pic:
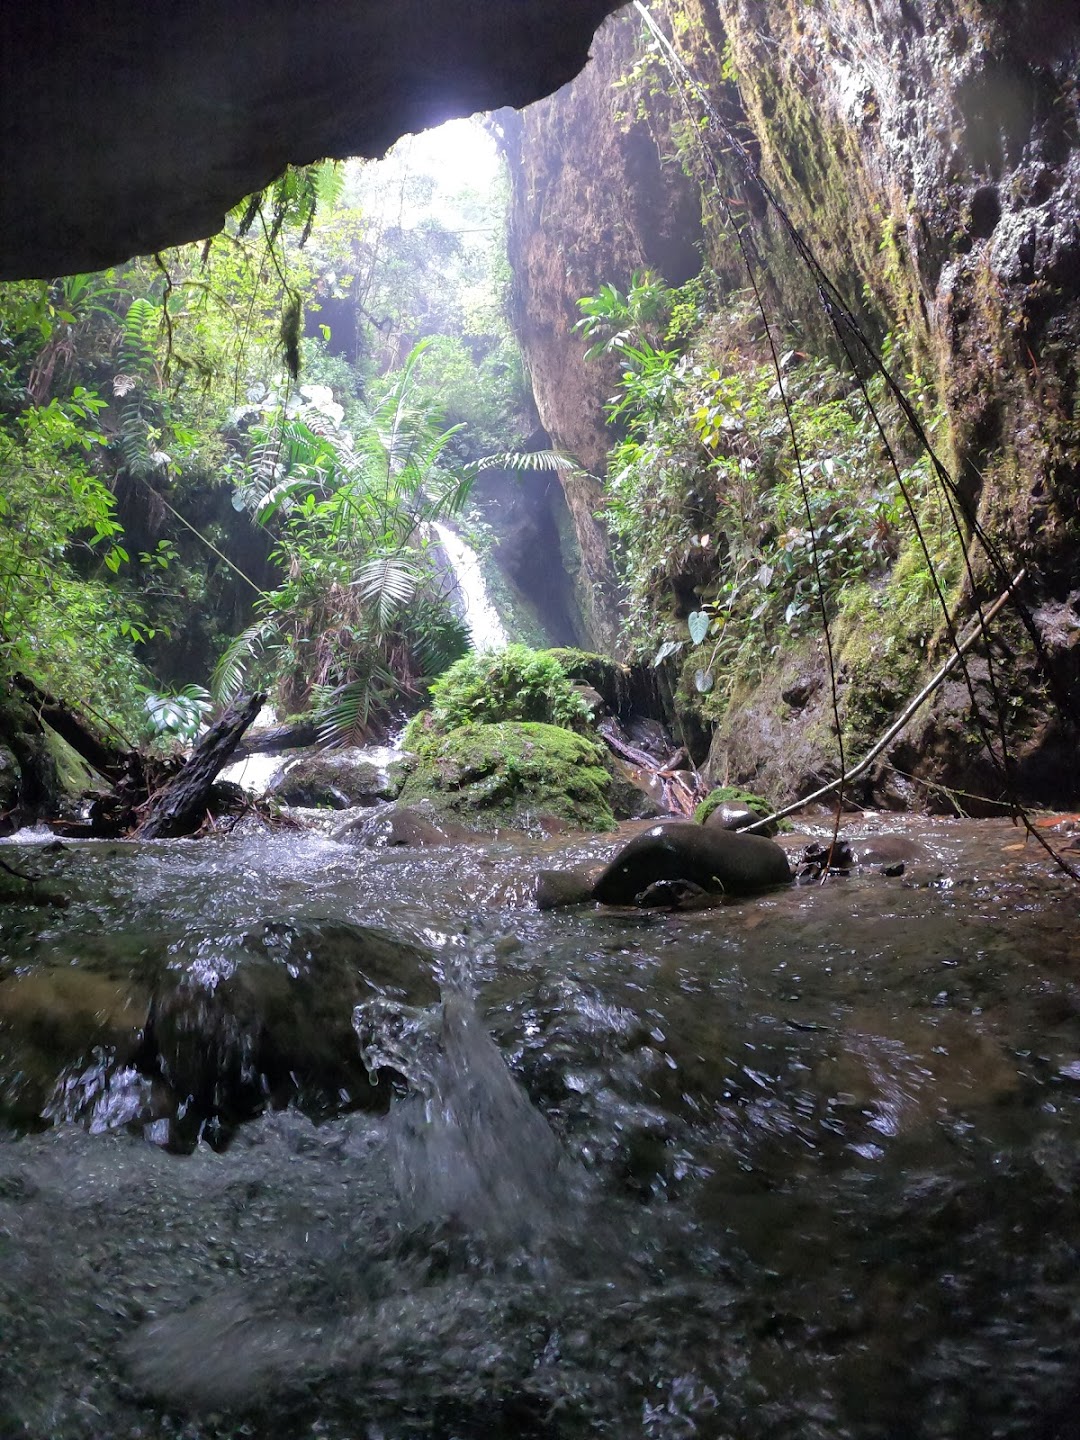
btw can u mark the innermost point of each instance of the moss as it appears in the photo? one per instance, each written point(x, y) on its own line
point(511, 774)
point(607, 677)
point(730, 795)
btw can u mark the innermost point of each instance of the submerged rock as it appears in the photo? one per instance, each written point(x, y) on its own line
point(402, 825)
point(217, 1027)
point(336, 779)
point(719, 862)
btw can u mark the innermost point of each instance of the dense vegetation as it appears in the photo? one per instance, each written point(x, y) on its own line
point(228, 454)
point(748, 509)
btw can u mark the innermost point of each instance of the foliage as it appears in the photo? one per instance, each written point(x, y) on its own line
point(511, 684)
point(178, 716)
point(513, 773)
point(709, 491)
point(360, 618)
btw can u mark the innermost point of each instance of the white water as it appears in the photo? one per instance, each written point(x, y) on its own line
point(481, 617)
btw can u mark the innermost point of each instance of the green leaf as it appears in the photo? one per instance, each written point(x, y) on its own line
point(698, 625)
point(703, 681)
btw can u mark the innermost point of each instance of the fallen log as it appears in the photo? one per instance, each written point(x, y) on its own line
point(277, 739)
point(110, 761)
point(179, 807)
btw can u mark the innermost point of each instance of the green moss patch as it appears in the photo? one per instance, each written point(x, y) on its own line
point(731, 795)
point(511, 774)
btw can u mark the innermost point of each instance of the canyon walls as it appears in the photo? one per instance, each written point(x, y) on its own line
point(929, 154)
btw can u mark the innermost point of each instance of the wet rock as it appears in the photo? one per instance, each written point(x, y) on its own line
point(220, 1027)
point(720, 862)
point(636, 794)
point(336, 779)
point(267, 1019)
point(555, 888)
point(730, 816)
point(888, 854)
point(737, 809)
point(402, 825)
point(52, 1020)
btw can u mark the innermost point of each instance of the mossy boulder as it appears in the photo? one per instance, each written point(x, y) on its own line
point(513, 774)
point(731, 795)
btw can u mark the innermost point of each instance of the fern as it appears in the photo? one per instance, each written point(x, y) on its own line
point(231, 670)
point(389, 580)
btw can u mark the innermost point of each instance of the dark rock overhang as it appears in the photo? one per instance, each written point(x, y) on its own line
point(130, 125)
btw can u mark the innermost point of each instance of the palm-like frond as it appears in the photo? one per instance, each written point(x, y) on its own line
point(344, 716)
point(230, 671)
point(390, 581)
point(526, 460)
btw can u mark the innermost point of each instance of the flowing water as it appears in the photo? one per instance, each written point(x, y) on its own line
point(801, 1166)
point(485, 628)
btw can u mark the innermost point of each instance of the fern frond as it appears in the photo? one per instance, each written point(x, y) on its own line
point(230, 671)
point(526, 460)
point(390, 581)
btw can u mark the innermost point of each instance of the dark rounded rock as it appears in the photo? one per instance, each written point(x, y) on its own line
point(721, 862)
point(555, 888)
point(730, 816)
point(883, 850)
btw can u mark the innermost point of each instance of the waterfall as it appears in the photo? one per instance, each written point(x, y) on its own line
point(481, 617)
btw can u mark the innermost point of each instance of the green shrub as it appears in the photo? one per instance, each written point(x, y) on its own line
point(499, 685)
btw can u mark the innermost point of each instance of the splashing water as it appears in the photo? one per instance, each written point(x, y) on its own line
point(469, 1149)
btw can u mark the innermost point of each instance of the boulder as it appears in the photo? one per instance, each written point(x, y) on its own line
point(719, 862)
point(214, 1028)
point(337, 779)
point(402, 825)
point(513, 775)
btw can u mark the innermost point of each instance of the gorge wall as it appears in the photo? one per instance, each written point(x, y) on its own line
point(930, 154)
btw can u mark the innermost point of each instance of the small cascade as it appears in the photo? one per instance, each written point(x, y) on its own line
point(480, 616)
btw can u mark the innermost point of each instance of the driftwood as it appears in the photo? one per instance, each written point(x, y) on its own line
point(278, 738)
point(679, 797)
point(179, 807)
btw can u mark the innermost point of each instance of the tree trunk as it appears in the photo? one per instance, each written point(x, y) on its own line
point(277, 739)
point(179, 806)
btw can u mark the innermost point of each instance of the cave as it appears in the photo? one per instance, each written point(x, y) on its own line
point(128, 127)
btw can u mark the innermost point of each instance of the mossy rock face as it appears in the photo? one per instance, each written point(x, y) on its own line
point(512, 774)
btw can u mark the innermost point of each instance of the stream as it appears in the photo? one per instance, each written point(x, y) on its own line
point(800, 1166)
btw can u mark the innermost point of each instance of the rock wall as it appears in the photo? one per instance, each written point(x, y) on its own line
point(597, 194)
point(930, 154)
point(129, 126)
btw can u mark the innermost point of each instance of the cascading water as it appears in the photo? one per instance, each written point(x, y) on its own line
point(481, 617)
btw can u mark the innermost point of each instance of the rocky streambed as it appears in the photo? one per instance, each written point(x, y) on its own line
point(304, 1137)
